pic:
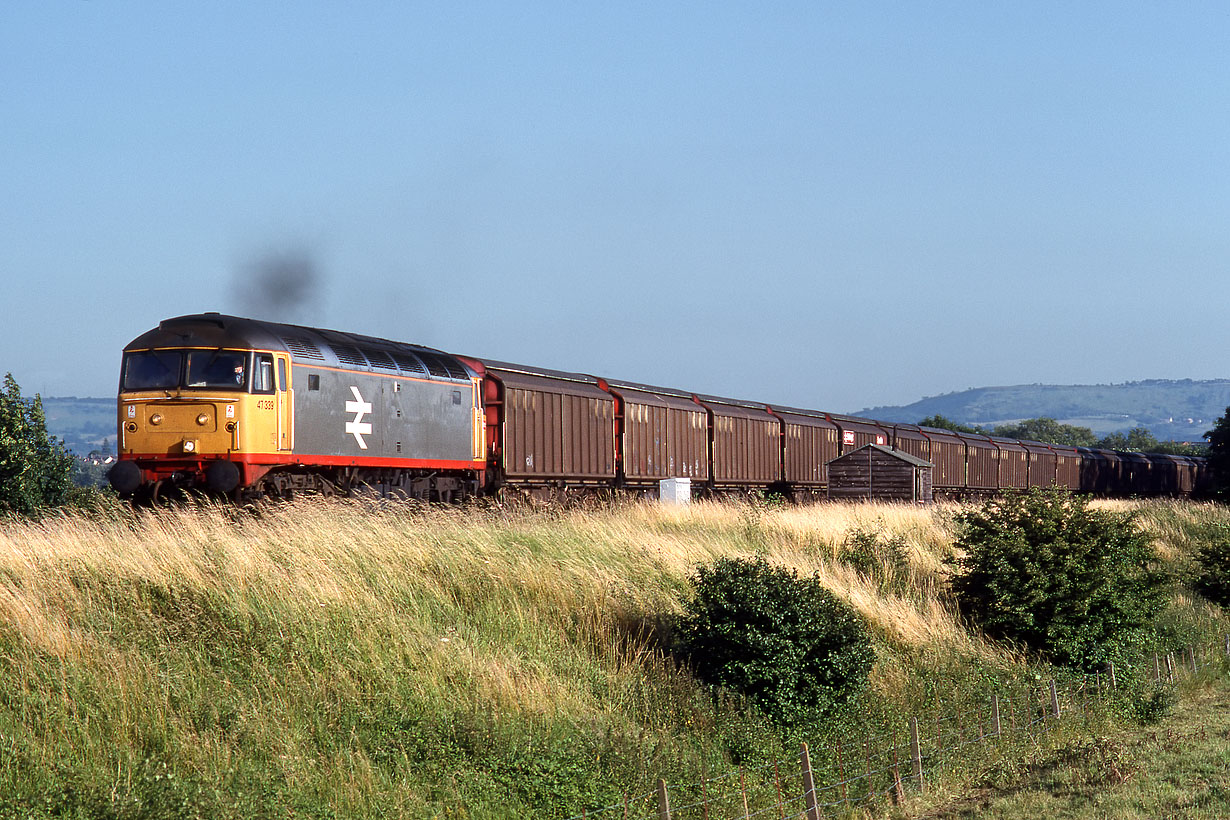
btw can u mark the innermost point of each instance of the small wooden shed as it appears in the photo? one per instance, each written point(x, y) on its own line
point(875, 472)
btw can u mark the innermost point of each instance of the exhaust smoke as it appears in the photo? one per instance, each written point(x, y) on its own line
point(283, 286)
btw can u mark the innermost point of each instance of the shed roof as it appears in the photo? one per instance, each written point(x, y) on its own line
point(897, 454)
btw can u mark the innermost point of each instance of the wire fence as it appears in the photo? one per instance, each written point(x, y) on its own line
point(882, 769)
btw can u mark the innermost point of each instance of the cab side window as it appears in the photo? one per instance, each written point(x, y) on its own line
point(262, 378)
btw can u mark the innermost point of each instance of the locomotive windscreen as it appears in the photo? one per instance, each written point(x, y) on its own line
point(167, 369)
point(225, 369)
point(156, 370)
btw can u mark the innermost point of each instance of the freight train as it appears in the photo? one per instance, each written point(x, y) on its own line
point(249, 409)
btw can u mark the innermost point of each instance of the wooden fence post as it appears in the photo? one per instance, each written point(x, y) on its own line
point(1054, 699)
point(1157, 669)
point(1191, 651)
point(916, 753)
point(777, 778)
point(809, 785)
point(743, 791)
point(1228, 645)
point(664, 802)
point(995, 714)
point(898, 791)
point(1114, 682)
point(1170, 666)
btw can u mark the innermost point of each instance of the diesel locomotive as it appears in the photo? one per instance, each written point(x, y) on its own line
point(248, 409)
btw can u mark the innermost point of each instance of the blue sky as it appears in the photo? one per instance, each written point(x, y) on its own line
point(833, 206)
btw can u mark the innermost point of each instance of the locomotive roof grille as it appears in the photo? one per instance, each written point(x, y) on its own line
point(303, 347)
point(408, 362)
point(348, 350)
point(347, 354)
point(441, 366)
point(379, 358)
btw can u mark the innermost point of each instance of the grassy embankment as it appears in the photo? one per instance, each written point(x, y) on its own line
point(1179, 768)
point(346, 660)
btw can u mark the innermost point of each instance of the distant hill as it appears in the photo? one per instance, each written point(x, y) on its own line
point(1171, 410)
point(84, 424)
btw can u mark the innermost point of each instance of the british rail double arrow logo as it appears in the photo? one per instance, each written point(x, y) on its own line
point(357, 427)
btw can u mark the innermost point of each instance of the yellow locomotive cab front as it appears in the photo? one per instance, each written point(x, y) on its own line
point(196, 417)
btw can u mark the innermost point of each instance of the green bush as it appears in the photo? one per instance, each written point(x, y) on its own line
point(784, 642)
point(1043, 570)
point(882, 558)
point(1150, 702)
point(1213, 578)
point(34, 467)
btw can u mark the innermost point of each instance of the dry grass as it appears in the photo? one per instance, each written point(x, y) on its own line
point(315, 637)
point(488, 593)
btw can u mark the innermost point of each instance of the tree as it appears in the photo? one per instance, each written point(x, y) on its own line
point(1212, 581)
point(1178, 448)
point(1049, 431)
point(943, 423)
point(1043, 570)
point(1218, 454)
point(786, 643)
point(1136, 440)
point(34, 467)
